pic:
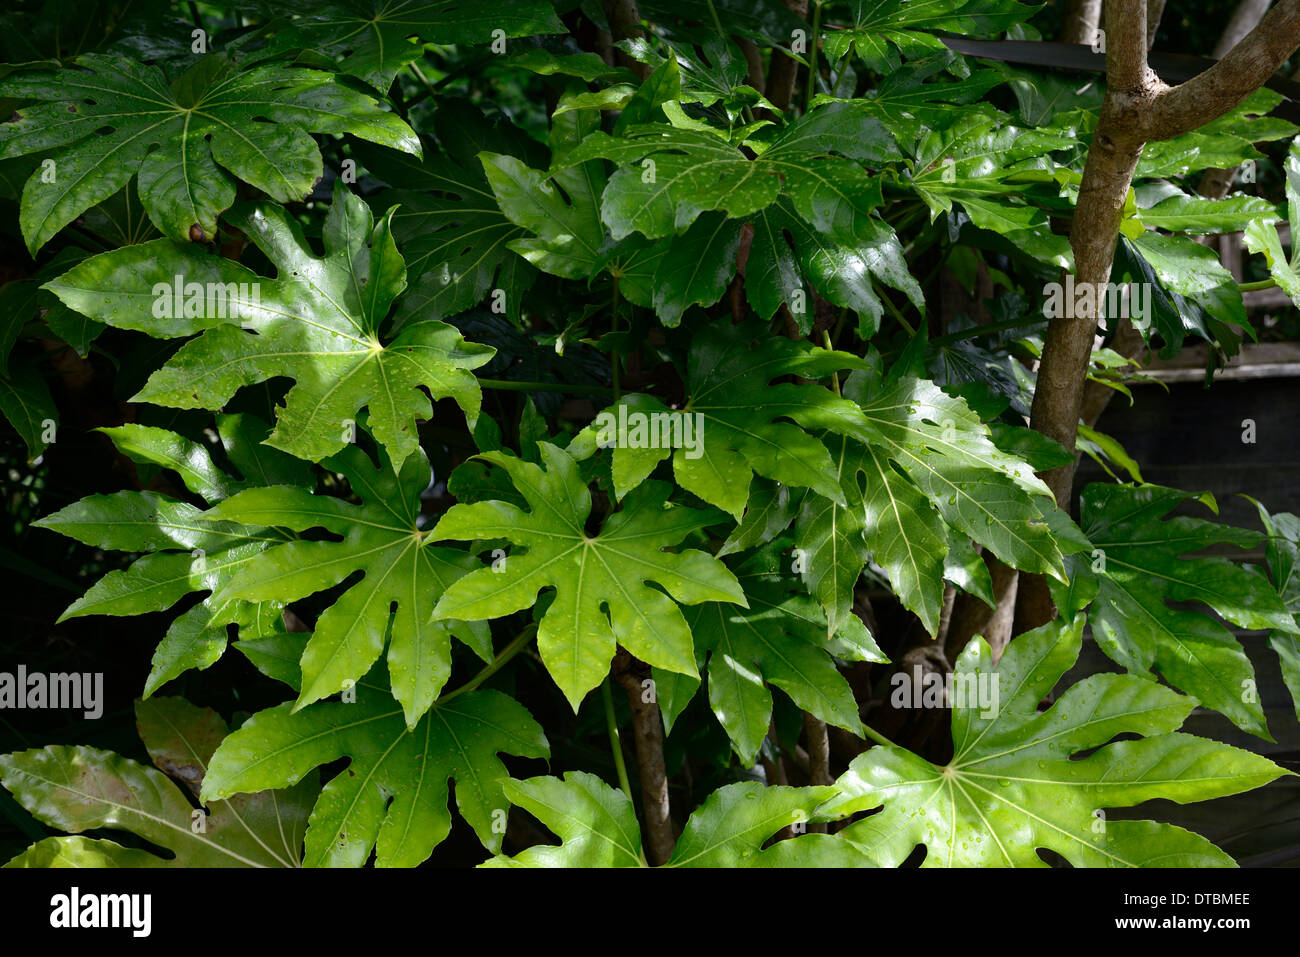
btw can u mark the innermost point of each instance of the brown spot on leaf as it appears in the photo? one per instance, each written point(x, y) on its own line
point(196, 234)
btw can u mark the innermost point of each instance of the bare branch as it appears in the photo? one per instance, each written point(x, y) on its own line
point(625, 24)
point(648, 731)
point(1081, 21)
point(1245, 68)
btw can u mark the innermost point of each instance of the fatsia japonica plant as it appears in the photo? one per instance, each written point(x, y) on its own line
point(601, 434)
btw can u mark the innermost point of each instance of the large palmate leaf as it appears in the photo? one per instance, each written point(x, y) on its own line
point(319, 322)
point(1142, 562)
point(668, 176)
point(742, 418)
point(882, 29)
point(393, 796)
point(403, 576)
point(184, 553)
point(111, 118)
point(922, 461)
point(779, 640)
point(598, 828)
point(371, 36)
point(602, 592)
point(81, 789)
point(1019, 781)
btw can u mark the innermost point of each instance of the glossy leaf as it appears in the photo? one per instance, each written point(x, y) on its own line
point(215, 126)
point(601, 581)
point(403, 576)
point(318, 322)
point(82, 789)
point(1022, 780)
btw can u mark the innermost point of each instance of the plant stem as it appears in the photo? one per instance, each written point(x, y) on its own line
point(611, 724)
point(415, 68)
point(877, 737)
point(894, 309)
point(506, 385)
point(1256, 286)
point(616, 363)
point(981, 330)
point(835, 376)
point(812, 54)
point(508, 652)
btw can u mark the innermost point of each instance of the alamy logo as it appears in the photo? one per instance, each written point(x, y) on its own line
point(35, 690)
point(1075, 300)
point(204, 300)
point(651, 430)
point(75, 909)
point(916, 689)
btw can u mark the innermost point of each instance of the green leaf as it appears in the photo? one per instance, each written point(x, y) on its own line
point(787, 254)
point(404, 575)
point(668, 176)
point(1223, 143)
point(982, 161)
point(453, 236)
point(318, 322)
point(216, 125)
point(883, 28)
point(1191, 272)
point(909, 102)
point(80, 789)
point(1144, 561)
point(596, 824)
point(26, 402)
point(1262, 237)
point(184, 553)
point(1282, 556)
point(1019, 779)
point(393, 796)
point(372, 37)
point(989, 495)
point(597, 827)
point(567, 226)
point(602, 595)
point(1198, 216)
point(741, 416)
point(697, 267)
point(779, 640)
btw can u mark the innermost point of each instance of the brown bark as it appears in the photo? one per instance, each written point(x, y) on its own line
point(1082, 17)
point(625, 24)
point(1214, 184)
point(971, 617)
point(648, 732)
point(1155, 10)
point(819, 759)
point(1138, 109)
point(782, 73)
point(753, 62)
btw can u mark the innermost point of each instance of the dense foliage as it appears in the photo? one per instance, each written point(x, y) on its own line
point(466, 369)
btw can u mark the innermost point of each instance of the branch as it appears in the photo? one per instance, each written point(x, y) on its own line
point(625, 24)
point(1155, 10)
point(648, 730)
point(1081, 20)
point(783, 71)
point(1246, 68)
